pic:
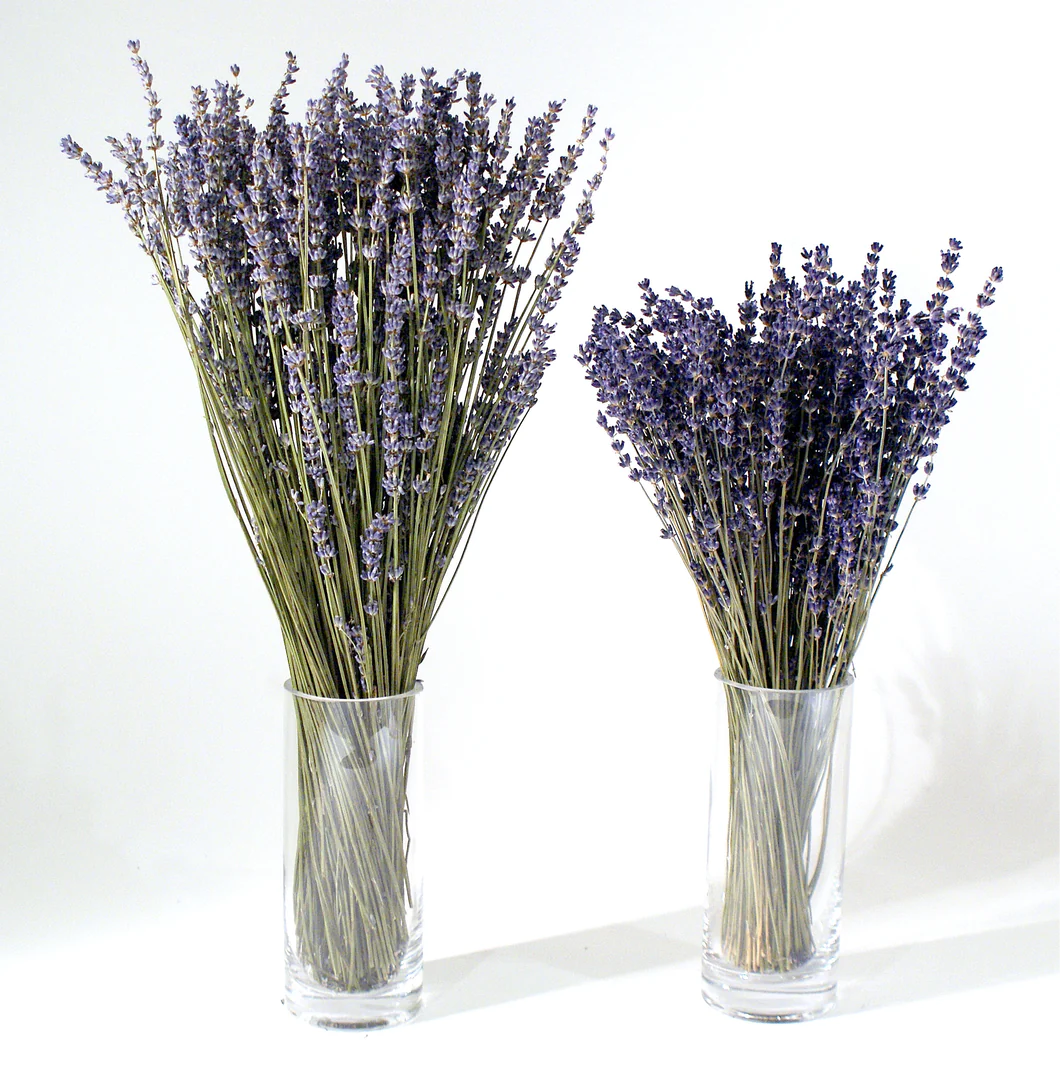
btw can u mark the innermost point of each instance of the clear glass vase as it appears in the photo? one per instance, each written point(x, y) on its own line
point(778, 794)
point(352, 889)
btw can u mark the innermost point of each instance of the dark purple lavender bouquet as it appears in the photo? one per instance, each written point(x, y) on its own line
point(781, 457)
point(365, 298)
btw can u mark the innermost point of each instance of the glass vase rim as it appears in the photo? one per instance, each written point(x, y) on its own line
point(848, 680)
point(416, 689)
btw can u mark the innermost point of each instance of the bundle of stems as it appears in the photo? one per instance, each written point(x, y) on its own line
point(778, 456)
point(781, 763)
point(352, 896)
point(365, 297)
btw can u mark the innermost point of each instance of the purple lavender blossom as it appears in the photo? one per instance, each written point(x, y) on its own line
point(372, 546)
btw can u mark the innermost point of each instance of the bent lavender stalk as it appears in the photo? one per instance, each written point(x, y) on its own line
point(365, 297)
point(778, 456)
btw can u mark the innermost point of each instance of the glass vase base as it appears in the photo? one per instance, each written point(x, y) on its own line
point(369, 1010)
point(769, 997)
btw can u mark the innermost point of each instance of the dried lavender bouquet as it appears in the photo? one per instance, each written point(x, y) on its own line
point(364, 296)
point(778, 456)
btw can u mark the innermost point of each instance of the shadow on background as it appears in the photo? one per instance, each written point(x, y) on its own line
point(971, 787)
point(513, 972)
point(905, 973)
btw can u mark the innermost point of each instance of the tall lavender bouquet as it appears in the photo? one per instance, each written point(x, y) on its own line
point(778, 456)
point(365, 298)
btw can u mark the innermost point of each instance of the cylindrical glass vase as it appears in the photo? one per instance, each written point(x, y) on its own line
point(778, 796)
point(352, 890)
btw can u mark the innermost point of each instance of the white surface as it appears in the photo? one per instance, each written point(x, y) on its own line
point(569, 676)
point(195, 997)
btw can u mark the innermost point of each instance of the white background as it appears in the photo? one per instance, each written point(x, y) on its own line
point(569, 679)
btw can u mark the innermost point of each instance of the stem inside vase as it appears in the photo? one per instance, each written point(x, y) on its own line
point(350, 877)
point(780, 760)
